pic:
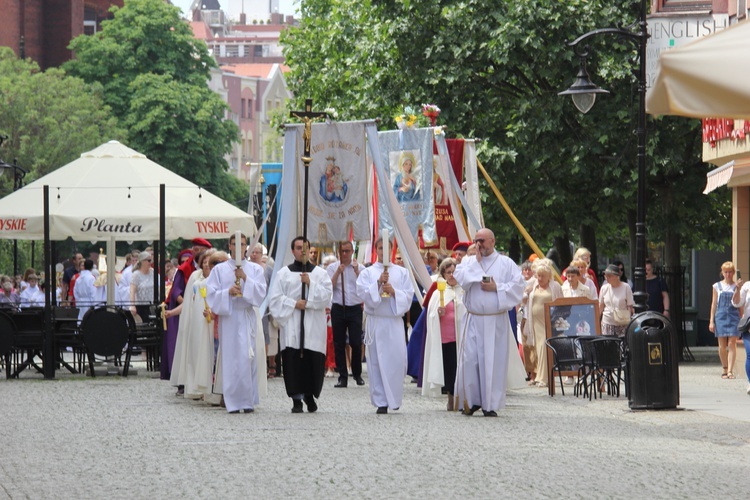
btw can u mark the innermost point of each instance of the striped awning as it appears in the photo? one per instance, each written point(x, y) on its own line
point(719, 177)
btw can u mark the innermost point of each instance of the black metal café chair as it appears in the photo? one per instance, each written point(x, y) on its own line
point(105, 332)
point(147, 336)
point(566, 357)
point(28, 339)
point(67, 336)
point(602, 362)
point(7, 331)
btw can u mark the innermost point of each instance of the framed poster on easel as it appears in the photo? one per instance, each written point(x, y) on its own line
point(573, 317)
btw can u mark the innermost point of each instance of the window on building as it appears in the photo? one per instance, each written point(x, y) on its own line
point(242, 108)
point(258, 51)
point(685, 5)
point(233, 51)
point(89, 21)
point(249, 108)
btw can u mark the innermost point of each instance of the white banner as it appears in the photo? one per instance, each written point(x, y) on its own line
point(338, 209)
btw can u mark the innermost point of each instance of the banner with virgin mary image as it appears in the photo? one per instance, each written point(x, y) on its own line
point(407, 156)
point(337, 187)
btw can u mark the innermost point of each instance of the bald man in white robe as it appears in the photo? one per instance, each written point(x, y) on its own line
point(493, 285)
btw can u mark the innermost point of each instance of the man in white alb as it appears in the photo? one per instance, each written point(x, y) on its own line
point(235, 307)
point(384, 332)
point(493, 285)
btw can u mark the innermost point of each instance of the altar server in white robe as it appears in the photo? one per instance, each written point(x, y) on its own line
point(32, 295)
point(384, 332)
point(493, 285)
point(234, 305)
point(303, 359)
point(443, 336)
point(192, 366)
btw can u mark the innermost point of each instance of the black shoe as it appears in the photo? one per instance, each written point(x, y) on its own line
point(297, 408)
point(248, 410)
point(341, 383)
point(310, 402)
point(235, 411)
point(359, 380)
point(471, 411)
point(382, 410)
point(490, 413)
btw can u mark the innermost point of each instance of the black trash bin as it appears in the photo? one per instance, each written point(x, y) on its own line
point(652, 363)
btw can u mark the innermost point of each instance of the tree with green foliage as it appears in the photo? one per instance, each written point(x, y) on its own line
point(49, 119)
point(155, 74)
point(495, 69)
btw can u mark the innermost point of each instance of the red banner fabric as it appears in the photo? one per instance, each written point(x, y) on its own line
point(444, 222)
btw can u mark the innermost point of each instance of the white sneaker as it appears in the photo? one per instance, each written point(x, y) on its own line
point(569, 381)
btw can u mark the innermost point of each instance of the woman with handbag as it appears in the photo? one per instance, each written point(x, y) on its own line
point(615, 303)
point(724, 319)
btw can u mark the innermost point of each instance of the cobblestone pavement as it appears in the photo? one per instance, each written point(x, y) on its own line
point(114, 437)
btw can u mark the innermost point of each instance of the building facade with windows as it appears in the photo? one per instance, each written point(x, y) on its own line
point(43, 29)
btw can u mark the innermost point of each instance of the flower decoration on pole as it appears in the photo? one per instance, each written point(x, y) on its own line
point(332, 114)
point(408, 118)
point(432, 112)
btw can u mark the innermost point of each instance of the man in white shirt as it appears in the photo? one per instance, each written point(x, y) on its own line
point(346, 314)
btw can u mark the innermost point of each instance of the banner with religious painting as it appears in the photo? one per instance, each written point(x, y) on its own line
point(407, 157)
point(337, 187)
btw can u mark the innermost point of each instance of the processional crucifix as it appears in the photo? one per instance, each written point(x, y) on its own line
point(308, 116)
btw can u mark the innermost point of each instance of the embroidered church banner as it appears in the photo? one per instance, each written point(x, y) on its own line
point(337, 188)
point(407, 156)
point(445, 223)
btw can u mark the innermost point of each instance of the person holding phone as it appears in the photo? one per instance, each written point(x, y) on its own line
point(488, 362)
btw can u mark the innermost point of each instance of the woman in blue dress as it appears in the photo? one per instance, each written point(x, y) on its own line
point(724, 319)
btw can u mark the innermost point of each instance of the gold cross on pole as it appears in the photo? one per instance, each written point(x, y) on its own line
point(308, 116)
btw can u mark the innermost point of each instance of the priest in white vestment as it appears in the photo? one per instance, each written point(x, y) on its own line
point(234, 306)
point(303, 330)
point(493, 285)
point(384, 332)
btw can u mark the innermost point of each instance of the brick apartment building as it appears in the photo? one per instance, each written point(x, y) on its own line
point(43, 29)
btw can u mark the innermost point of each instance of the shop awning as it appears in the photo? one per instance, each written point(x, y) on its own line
point(732, 174)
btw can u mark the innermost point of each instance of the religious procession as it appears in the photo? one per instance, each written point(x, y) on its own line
point(382, 261)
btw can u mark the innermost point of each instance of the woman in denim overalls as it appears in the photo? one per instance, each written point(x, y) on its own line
point(724, 319)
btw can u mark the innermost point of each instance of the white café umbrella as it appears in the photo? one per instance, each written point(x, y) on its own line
point(707, 78)
point(113, 191)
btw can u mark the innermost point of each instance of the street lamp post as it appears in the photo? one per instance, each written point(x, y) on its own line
point(584, 92)
point(18, 175)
